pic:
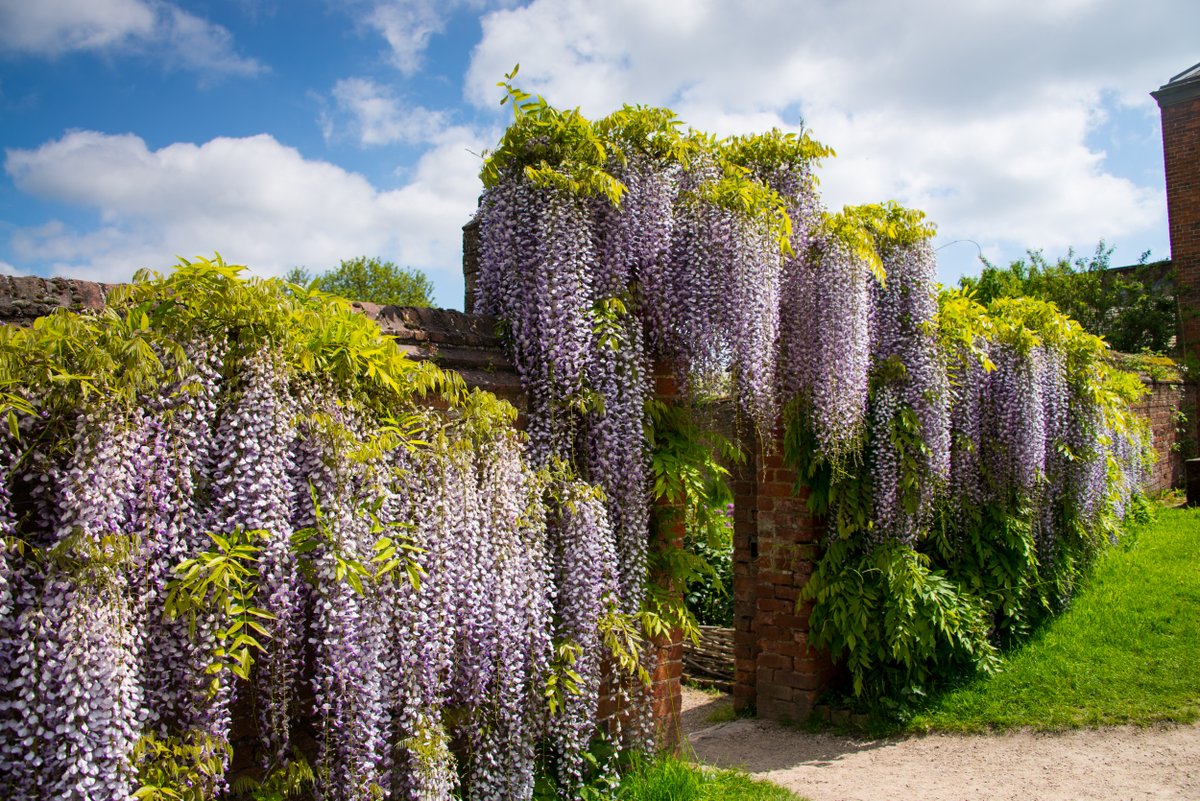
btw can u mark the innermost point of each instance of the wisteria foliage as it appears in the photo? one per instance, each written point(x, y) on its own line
point(408, 577)
point(607, 246)
point(925, 424)
point(1003, 455)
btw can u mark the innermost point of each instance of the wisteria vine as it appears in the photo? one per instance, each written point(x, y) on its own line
point(223, 500)
point(606, 247)
point(259, 522)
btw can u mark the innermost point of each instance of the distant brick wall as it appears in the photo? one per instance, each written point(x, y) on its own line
point(1167, 408)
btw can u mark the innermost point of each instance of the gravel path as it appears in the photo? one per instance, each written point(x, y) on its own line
point(1118, 763)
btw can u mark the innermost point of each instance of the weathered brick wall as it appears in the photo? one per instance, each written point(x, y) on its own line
point(745, 583)
point(1168, 407)
point(470, 263)
point(23, 299)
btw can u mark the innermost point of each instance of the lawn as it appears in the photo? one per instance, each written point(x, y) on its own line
point(668, 778)
point(1127, 651)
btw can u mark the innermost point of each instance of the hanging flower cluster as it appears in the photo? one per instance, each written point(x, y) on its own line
point(827, 355)
point(582, 561)
point(956, 408)
point(1047, 418)
point(910, 418)
point(605, 244)
point(1002, 453)
point(222, 498)
point(256, 514)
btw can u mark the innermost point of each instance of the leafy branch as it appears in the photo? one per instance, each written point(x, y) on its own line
point(392, 553)
point(222, 581)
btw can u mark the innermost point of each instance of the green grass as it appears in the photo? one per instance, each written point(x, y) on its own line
point(668, 778)
point(1126, 651)
point(722, 714)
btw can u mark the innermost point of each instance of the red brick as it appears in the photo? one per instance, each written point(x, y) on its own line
point(801, 681)
point(774, 661)
point(775, 605)
point(775, 490)
point(768, 633)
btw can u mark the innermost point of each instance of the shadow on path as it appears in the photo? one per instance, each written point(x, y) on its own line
point(1157, 762)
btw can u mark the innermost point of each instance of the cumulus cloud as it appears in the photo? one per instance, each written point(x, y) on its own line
point(7, 269)
point(255, 200)
point(50, 28)
point(375, 115)
point(983, 113)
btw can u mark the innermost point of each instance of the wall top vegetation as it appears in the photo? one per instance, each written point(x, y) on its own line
point(466, 343)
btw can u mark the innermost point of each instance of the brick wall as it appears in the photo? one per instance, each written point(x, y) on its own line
point(470, 263)
point(23, 299)
point(1174, 435)
point(745, 581)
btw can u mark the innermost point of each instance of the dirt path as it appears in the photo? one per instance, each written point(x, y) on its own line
point(1108, 764)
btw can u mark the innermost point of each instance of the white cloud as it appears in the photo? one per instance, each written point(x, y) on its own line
point(1025, 177)
point(253, 199)
point(7, 269)
point(376, 116)
point(201, 45)
point(407, 26)
point(983, 113)
point(50, 28)
point(772, 53)
point(53, 28)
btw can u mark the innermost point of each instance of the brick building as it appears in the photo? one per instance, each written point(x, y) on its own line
point(1179, 102)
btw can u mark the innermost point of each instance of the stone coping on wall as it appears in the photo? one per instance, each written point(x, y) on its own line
point(465, 343)
point(1151, 368)
point(25, 298)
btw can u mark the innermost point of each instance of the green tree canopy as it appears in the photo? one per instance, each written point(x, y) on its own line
point(1133, 310)
point(372, 280)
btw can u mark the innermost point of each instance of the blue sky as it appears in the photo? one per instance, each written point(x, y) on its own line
point(301, 133)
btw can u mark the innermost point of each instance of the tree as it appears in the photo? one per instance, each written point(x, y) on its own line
point(1132, 308)
point(372, 280)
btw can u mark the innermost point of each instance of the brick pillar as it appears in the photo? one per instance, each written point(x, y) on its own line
point(470, 263)
point(1179, 103)
point(667, 679)
point(789, 672)
point(745, 577)
point(776, 541)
